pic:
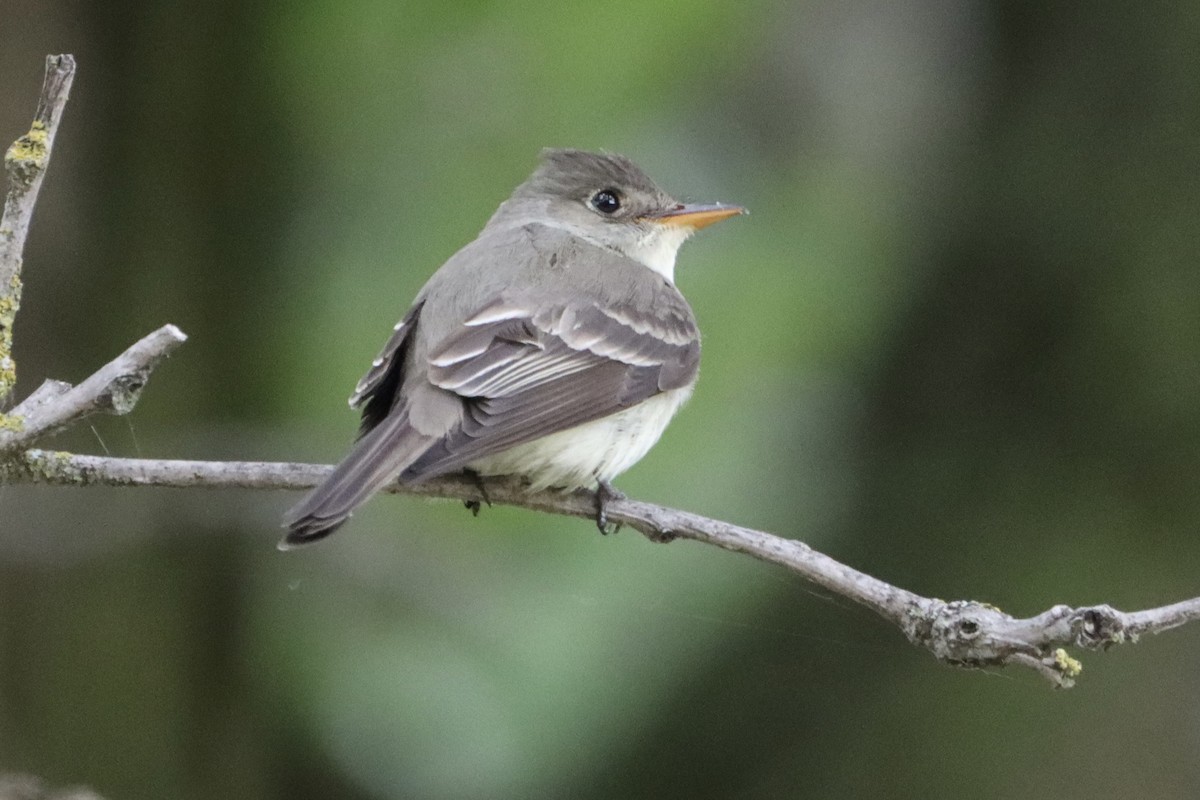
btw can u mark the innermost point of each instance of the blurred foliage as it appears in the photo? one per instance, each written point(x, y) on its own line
point(956, 345)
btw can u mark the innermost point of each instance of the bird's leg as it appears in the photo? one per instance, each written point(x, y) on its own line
point(473, 505)
point(604, 493)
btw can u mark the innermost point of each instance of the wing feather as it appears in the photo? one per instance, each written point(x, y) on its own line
point(376, 392)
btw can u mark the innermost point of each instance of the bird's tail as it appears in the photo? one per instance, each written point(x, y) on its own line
point(376, 458)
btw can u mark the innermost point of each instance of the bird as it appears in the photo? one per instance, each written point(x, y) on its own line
point(554, 347)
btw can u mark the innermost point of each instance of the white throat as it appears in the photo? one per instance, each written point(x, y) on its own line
point(658, 248)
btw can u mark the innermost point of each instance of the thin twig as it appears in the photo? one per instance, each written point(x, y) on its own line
point(113, 389)
point(963, 633)
point(25, 162)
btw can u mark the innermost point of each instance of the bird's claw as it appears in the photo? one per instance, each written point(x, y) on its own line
point(474, 505)
point(604, 494)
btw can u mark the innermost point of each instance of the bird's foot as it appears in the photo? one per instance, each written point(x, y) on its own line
point(474, 505)
point(604, 494)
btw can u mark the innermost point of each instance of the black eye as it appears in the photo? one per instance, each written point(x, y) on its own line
point(606, 201)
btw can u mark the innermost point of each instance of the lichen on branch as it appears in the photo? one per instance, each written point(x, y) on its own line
point(28, 155)
point(25, 163)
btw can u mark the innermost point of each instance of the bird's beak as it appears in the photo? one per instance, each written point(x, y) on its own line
point(696, 216)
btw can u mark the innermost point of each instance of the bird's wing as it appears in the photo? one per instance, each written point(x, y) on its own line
point(526, 370)
point(376, 391)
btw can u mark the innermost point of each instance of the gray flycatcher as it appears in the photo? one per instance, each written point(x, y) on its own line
point(553, 347)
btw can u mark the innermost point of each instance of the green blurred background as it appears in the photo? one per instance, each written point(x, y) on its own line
point(956, 345)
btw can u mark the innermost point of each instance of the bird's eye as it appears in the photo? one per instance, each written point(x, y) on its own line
point(606, 201)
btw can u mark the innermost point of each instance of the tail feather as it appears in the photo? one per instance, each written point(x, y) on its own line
point(378, 457)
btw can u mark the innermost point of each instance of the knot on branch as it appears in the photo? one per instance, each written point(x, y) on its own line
point(962, 632)
point(125, 391)
point(1100, 627)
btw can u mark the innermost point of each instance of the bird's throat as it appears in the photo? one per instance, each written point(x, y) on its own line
point(658, 248)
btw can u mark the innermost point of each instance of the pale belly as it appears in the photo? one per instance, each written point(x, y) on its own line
point(588, 453)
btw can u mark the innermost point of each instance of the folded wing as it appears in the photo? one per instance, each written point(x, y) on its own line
point(526, 372)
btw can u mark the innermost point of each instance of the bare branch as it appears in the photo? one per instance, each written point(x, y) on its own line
point(114, 388)
point(964, 632)
point(25, 162)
